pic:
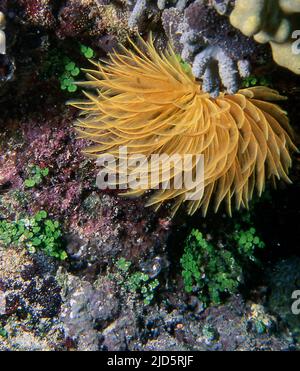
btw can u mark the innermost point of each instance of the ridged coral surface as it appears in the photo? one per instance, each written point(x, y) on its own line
point(152, 104)
point(2, 34)
point(272, 21)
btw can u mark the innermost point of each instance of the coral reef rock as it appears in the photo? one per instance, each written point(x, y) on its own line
point(220, 54)
point(140, 8)
point(284, 281)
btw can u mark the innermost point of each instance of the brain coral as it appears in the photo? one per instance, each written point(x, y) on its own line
point(152, 104)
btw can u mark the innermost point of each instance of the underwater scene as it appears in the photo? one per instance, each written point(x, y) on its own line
point(150, 178)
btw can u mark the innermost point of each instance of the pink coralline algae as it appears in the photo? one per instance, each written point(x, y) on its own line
point(110, 225)
point(75, 18)
point(8, 171)
point(49, 144)
point(39, 13)
point(83, 18)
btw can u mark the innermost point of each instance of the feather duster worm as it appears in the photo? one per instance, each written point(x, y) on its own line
point(152, 104)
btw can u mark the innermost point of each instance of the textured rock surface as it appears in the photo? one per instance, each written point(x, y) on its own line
point(30, 303)
point(284, 281)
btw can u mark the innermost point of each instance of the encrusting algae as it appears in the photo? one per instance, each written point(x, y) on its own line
point(152, 104)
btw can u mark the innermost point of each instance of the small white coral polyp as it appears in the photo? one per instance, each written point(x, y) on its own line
point(152, 104)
